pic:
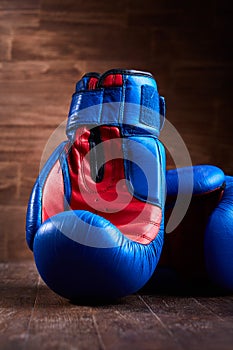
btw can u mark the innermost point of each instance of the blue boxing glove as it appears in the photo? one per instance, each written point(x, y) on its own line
point(95, 217)
point(199, 252)
point(219, 240)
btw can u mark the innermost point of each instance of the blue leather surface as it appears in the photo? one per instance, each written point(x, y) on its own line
point(136, 103)
point(206, 178)
point(218, 235)
point(219, 240)
point(145, 168)
point(66, 179)
point(34, 210)
point(72, 269)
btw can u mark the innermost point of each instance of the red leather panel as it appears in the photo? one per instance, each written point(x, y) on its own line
point(113, 80)
point(92, 83)
point(110, 198)
point(53, 193)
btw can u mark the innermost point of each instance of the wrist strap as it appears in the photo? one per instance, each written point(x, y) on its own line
point(135, 104)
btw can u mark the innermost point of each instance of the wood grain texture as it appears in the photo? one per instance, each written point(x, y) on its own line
point(47, 45)
point(32, 316)
point(13, 245)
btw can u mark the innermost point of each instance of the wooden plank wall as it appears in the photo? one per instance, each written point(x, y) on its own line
point(47, 45)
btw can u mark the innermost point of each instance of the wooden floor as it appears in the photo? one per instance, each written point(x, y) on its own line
point(33, 317)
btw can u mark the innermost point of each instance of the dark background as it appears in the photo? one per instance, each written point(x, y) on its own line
point(47, 45)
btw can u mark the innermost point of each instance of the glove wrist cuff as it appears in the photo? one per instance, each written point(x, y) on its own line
point(121, 98)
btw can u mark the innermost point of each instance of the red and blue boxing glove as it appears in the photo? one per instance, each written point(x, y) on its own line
point(95, 218)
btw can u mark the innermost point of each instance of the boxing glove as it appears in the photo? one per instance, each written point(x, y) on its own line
point(199, 251)
point(95, 218)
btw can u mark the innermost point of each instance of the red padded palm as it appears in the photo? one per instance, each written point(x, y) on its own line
point(138, 220)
